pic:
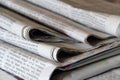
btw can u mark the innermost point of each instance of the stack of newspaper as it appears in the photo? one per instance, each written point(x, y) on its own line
point(58, 39)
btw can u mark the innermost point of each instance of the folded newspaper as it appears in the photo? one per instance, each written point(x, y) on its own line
point(57, 22)
point(29, 66)
point(110, 75)
point(88, 12)
point(33, 59)
point(89, 70)
point(28, 29)
point(53, 51)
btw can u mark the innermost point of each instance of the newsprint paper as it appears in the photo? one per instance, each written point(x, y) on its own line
point(23, 63)
point(50, 51)
point(55, 58)
point(56, 53)
point(68, 27)
point(97, 14)
point(28, 29)
point(28, 66)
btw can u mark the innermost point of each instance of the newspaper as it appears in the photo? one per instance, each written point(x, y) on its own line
point(29, 66)
point(57, 53)
point(99, 14)
point(91, 56)
point(42, 49)
point(68, 27)
point(52, 51)
point(24, 64)
point(89, 70)
point(28, 29)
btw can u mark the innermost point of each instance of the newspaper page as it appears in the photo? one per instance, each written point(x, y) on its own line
point(24, 64)
point(97, 14)
point(7, 76)
point(89, 70)
point(47, 51)
point(97, 54)
point(28, 66)
point(51, 51)
point(28, 29)
point(55, 21)
point(74, 52)
point(55, 51)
